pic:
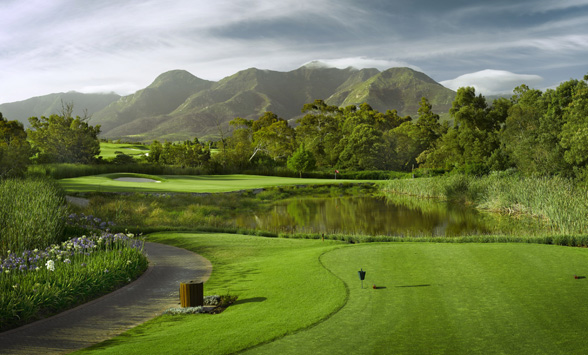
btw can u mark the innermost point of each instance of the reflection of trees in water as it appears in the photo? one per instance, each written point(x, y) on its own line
point(376, 216)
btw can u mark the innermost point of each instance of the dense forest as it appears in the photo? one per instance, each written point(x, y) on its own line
point(535, 132)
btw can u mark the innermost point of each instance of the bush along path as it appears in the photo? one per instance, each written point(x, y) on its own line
point(147, 297)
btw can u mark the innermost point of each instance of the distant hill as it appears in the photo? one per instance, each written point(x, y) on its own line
point(164, 95)
point(52, 104)
point(179, 106)
point(204, 107)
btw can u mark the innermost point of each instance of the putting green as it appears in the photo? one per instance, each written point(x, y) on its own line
point(185, 183)
point(453, 299)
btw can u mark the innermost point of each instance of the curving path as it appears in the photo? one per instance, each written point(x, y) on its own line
point(145, 298)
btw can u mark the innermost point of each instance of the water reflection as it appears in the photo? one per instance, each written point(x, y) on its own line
point(379, 216)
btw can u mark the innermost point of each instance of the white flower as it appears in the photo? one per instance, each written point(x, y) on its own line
point(67, 261)
point(50, 265)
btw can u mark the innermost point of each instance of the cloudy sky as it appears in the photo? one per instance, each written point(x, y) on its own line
point(49, 46)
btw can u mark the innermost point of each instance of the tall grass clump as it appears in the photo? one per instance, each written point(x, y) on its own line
point(559, 201)
point(32, 214)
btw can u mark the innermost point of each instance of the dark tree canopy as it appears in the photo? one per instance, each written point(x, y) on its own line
point(15, 150)
point(64, 139)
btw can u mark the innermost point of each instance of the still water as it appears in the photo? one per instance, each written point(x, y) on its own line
point(381, 216)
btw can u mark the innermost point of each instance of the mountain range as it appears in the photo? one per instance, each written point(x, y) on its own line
point(179, 105)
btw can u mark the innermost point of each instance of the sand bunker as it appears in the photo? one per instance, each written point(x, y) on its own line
point(133, 179)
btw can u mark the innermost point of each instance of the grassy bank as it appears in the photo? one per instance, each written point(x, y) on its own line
point(559, 201)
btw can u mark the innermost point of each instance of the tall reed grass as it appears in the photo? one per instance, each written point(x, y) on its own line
point(32, 214)
point(562, 203)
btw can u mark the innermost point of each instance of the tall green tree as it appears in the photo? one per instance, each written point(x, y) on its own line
point(319, 130)
point(301, 161)
point(64, 139)
point(15, 150)
point(574, 133)
point(521, 136)
point(474, 138)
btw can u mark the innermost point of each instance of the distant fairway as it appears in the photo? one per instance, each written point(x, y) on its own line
point(108, 150)
point(431, 299)
point(184, 183)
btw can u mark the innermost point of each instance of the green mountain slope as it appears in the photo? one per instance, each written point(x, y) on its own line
point(52, 104)
point(396, 88)
point(179, 106)
point(165, 94)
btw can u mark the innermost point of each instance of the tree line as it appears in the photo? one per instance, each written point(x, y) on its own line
point(535, 132)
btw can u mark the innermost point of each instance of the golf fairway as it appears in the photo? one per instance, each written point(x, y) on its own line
point(452, 299)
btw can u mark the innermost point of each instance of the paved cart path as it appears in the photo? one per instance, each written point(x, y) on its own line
point(145, 298)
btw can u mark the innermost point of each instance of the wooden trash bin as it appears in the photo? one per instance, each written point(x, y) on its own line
point(191, 294)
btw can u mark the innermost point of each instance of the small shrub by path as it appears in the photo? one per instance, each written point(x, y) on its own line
point(281, 288)
point(453, 299)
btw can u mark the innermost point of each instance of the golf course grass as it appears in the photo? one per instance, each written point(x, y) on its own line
point(281, 287)
point(108, 150)
point(430, 298)
point(185, 183)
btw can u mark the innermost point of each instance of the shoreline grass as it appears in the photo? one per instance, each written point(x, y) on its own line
point(559, 201)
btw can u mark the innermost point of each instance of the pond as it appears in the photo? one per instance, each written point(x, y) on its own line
point(402, 216)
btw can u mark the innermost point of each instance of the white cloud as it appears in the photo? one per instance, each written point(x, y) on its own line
point(363, 62)
point(493, 82)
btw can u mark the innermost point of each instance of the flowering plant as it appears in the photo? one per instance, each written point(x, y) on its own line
point(63, 275)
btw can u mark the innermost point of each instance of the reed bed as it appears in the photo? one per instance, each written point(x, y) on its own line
point(559, 201)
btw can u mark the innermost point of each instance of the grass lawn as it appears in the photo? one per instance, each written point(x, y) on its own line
point(281, 287)
point(185, 183)
point(107, 149)
point(453, 299)
point(431, 298)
